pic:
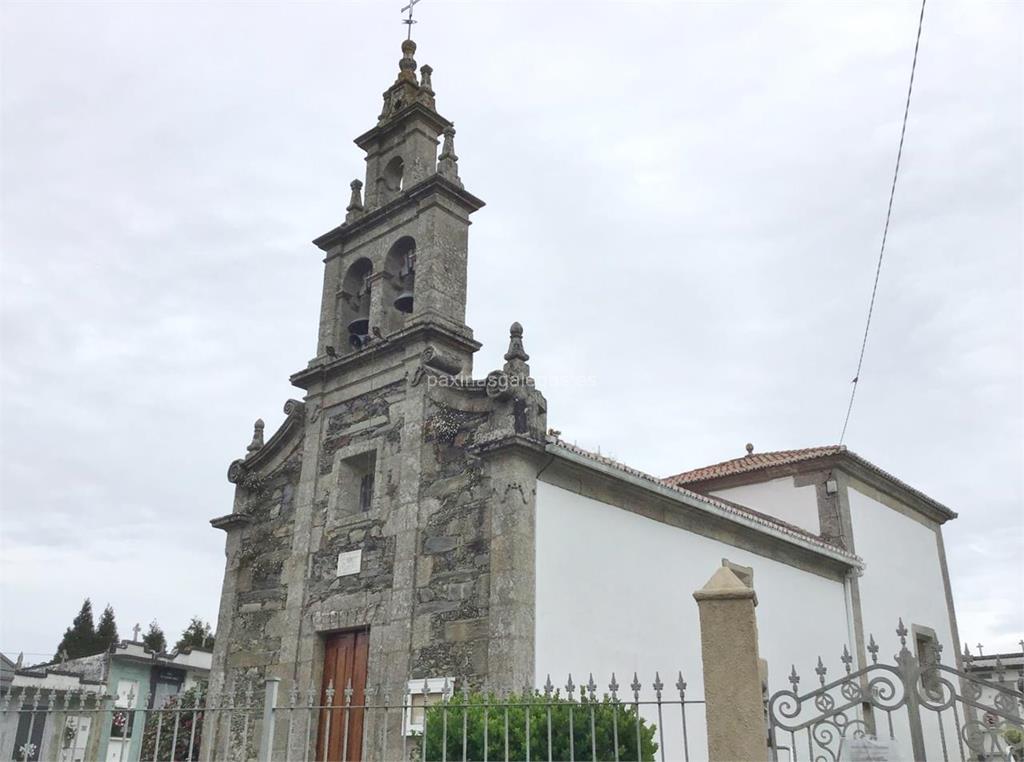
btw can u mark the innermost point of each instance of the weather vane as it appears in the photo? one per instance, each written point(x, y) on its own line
point(410, 20)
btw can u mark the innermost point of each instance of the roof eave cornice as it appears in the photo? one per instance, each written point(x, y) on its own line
point(709, 505)
point(846, 460)
point(321, 369)
point(433, 183)
point(398, 120)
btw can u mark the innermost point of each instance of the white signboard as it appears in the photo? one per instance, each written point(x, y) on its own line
point(869, 750)
point(350, 562)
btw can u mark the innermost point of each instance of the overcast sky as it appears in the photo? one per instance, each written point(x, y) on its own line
point(685, 203)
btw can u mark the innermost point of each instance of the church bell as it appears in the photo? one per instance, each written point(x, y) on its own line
point(403, 302)
point(358, 333)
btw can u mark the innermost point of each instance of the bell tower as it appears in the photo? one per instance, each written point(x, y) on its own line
point(396, 267)
point(392, 512)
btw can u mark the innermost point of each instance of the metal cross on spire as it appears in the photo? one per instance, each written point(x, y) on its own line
point(409, 21)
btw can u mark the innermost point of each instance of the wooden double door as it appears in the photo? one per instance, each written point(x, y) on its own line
point(346, 655)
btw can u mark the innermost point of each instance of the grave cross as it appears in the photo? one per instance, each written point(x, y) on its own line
point(135, 632)
point(978, 646)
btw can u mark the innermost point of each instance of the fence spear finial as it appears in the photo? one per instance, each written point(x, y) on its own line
point(794, 678)
point(820, 671)
point(681, 685)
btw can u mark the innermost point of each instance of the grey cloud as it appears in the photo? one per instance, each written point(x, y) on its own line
point(684, 205)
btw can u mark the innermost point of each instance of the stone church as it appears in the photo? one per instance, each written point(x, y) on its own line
point(411, 519)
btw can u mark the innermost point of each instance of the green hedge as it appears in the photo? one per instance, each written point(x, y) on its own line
point(610, 720)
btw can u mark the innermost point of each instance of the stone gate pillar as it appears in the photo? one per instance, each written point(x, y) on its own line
point(732, 674)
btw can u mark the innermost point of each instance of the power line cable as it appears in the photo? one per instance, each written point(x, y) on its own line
point(885, 230)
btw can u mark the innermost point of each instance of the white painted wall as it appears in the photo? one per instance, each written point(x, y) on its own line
point(903, 575)
point(615, 593)
point(778, 497)
point(902, 578)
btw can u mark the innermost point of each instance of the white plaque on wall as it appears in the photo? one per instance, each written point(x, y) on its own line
point(350, 562)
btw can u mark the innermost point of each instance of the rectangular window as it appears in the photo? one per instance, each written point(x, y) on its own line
point(926, 645)
point(366, 492)
point(438, 689)
point(356, 477)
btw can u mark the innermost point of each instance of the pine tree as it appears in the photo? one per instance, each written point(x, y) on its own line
point(197, 635)
point(106, 630)
point(154, 639)
point(80, 638)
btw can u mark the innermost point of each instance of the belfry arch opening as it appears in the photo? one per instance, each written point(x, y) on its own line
point(400, 265)
point(394, 174)
point(355, 304)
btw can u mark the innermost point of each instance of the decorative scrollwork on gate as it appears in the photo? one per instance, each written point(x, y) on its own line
point(833, 711)
point(966, 716)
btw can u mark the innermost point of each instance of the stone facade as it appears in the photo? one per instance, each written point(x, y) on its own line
point(395, 453)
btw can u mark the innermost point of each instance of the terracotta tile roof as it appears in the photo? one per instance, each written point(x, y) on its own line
point(760, 461)
point(753, 462)
point(727, 506)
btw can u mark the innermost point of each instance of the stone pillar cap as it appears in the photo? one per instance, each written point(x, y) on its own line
point(724, 585)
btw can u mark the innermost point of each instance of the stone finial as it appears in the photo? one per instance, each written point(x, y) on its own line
point(20, 661)
point(516, 357)
point(355, 202)
point(407, 66)
point(257, 436)
point(750, 448)
point(448, 161)
point(448, 147)
point(516, 351)
point(425, 71)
